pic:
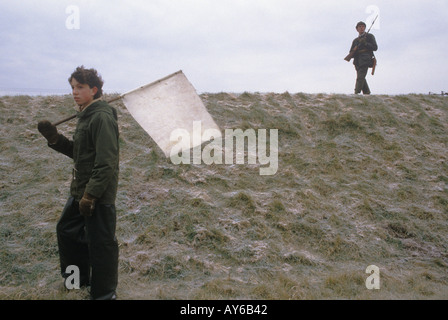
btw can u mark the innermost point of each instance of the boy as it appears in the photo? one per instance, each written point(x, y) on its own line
point(86, 229)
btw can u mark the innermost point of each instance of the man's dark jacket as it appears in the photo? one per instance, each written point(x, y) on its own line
point(95, 152)
point(364, 55)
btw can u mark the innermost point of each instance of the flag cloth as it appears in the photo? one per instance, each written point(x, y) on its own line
point(166, 105)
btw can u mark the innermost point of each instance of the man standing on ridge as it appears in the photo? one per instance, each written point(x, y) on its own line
point(362, 51)
point(86, 229)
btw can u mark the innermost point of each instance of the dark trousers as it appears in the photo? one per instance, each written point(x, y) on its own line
point(90, 244)
point(361, 82)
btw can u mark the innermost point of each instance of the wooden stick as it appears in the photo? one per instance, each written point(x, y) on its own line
point(64, 120)
point(74, 116)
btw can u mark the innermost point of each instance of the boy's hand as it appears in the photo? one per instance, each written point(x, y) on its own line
point(49, 131)
point(87, 205)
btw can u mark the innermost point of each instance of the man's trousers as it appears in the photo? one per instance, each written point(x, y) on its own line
point(90, 244)
point(361, 82)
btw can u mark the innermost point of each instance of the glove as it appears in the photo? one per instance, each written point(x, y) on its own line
point(49, 131)
point(87, 205)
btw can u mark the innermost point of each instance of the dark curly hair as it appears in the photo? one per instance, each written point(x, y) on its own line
point(90, 77)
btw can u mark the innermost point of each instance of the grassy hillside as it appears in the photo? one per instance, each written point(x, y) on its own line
point(361, 181)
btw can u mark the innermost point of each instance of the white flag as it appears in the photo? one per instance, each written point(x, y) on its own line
point(169, 104)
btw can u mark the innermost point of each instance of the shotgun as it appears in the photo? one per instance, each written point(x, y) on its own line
point(353, 52)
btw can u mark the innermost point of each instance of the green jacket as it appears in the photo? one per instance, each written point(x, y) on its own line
point(95, 152)
point(364, 55)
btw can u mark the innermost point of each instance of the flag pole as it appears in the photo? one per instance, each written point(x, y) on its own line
point(121, 96)
point(74, 116)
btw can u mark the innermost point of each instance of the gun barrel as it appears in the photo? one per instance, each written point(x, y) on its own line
point(373, 23)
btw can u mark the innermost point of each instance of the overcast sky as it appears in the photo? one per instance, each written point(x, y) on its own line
point(222, 45)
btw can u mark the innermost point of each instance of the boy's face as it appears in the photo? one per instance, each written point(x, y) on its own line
point(361, 28)
point(82, 93)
